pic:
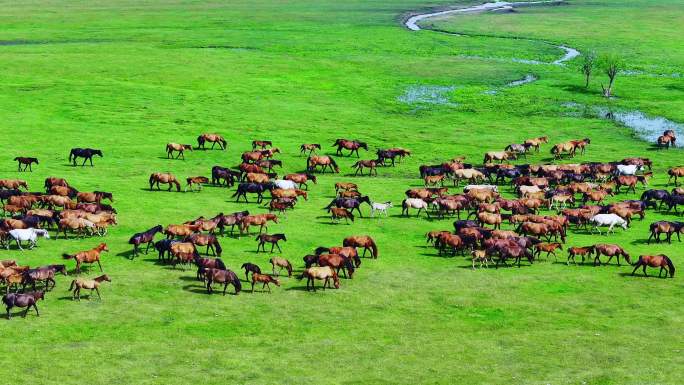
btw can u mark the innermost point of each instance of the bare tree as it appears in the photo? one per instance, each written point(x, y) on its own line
point(587, 65)
point(611, 64)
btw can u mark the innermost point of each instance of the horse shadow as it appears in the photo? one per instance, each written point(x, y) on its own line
point(127, 254)
point(300, 288)
point(200, 289)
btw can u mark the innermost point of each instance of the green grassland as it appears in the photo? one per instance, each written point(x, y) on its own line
point(130, 76)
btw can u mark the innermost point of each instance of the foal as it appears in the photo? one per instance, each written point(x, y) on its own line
point(91, 284)
point(26, 162)
point(282, 263)
point(265, 279)
point(272, 239)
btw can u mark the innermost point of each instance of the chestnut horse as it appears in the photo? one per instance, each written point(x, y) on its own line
point(362, 241)
point(661, 260)
point(351, 145)
point(213, 138)
point(260, 220)
point(610, 251)
point(261, 143)
point(171, 147)
point(312, 162)
point(13, 184)
point(91, 284)
point(88, 256)
point(265, 279)
point(165, 178)
point(195, 181)
point(301, 179)
point(272, 239)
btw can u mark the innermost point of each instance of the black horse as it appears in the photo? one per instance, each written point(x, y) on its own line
point(349, 203)
point(26, 162)
point(252, 188)
point(86, 153)
point(221, 175)
point(657, 195)
point(431, 170)
point(510, 173)
point(6, 194)
point(272, 239)
point(250, 268)
point(145, 237)
point(163, 247)
point(673, 201)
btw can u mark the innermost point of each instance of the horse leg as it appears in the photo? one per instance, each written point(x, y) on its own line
point(638, 264)
point(644, 269)
point(26, 311)
point(225, 286)
point(252, 286)
point(98, 263)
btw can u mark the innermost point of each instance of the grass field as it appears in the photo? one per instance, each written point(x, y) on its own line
point(130, 76)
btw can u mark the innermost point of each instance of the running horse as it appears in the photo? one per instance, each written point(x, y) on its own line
point(180, 148)
point(165, 178)
point(661, 260)
point(312, 162)
point(88, 256)
point(85, 153)
point(145, 237)
point(351, 145)
point(90, 284)
point(26, 162)
point(213, 138)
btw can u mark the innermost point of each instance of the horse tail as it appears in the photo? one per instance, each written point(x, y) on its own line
point(70, 154)
point(374, 248)
point(220, 264)
point(289, 268)
point(217, 245)
point(332, 161)
point(670, 265)
point(67, 256)
point(73, 283)
point(200, 140)
point(178, 186)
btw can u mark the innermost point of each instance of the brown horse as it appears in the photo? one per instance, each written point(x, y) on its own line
point(252, 156)
point(195, 181)
point(13, 184)
point(666, 141)
point(282, 193)
point(547, 247)
point(301, 179)
point(351, 145)
point(661, 260)
point(208, 240)
point(222, 276)
point(280, 263)
point(90, 284)
point(338, 263)
point(675, 172)
point(325, 273)
point(581, 144)
point(667, 228)
point(27, 300)
point(42, 274)
point(213, 138)
point(346, 186)
point(310, 147)
point(485, 218)
point(566, 147)
point(371, 165)
point(631, 181)
point(272, 239)
point(364, 241)
point(261, 144)
point(181, 230)
point(79, 225)
point(433, 180)
point(338, 213)
point(265, 279)
point(165, 178)
point(323, 161)
point(94, 197)
point(26, 162)
point(180, 148)
point(501, 156)
point(610, 251)
point(536, 142)
point(183, 253)
point(260, 220)
point(88, 256)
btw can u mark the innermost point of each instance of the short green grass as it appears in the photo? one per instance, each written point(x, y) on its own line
point(129, 77)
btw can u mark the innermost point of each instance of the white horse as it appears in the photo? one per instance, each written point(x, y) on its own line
point(628, 169)
point(285, 184)
point(30, 235)
point(415, 203)
point(610, 220)
point(380, 207)
point(481, 187)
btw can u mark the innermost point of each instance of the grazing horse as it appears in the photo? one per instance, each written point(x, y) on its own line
point(536, 142)
point(94, 197)
point(574, 251)
point(165, 178)
point(13, 184)
point(180, 148)
point(351, 145)
point(208, 240)
point(252, 188)
point(667, 228)
point(312, 162)
point(337, 262)
point(261, 144)
point(301, 179)
point(280, 263)
point(272, 239)
point(45, 273)
point(91, 284)
point(31, 235)
point(336, 213)
point(310, 147)
point(88, 256)
point(223, 276)
point(213, 138)
point(207, 263)
point(250, 268)
point(145, 237)
point(219, 174)
point(260, 220)
point(26, 162)
point(195, 181)
point(231, 220)
point(27, 300)
point(364, 241)
point(675, 172)
point(610, 251)
point(501, 156)
point(661, 260)
point(324, 273)
point(85, 153)
point(265, 279)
